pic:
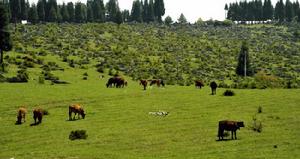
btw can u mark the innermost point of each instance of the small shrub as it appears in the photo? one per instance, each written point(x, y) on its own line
point(259, 109)
point(228, 93)
point(41, 79)
point(22, 77)
point(257, 125)
point(78, 134)
point(85, 74)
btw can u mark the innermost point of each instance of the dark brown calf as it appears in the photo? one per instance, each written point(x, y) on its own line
point(229, 126)
point(199, 84)
point(76, 109)
point(38, 114)
point(144, 83)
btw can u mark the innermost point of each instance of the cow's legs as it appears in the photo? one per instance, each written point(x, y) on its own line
point(231, 134)
point(235, 134)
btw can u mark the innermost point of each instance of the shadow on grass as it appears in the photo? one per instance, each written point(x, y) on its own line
point(73, 119)
point(219, 140)
point(35, 124)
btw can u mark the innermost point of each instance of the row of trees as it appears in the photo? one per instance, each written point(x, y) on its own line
point(257, 10)
point(91, 11)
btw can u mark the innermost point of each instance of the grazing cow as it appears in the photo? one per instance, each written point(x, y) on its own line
point(213, 86)
point(111, 82)
point(76, 109)
point(199, 84)
point(21, 115)
point(117, 82)
point(158, 82)
point(144, 83)
point(120, 82)
point(229, 126)
point(38, 114)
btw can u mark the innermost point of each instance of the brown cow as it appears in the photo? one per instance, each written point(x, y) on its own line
point(38, 114)
point(229, 126)
point(76, 108)
point(199, 84)
point(21, 115)
point(158, 82)
point(144, 83)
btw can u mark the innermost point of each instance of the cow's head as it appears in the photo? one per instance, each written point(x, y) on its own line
point(82, 114)
point(240, 124)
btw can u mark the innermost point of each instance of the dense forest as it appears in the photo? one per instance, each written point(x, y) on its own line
point(262, 11)
point(91, 11)
point(142, 11)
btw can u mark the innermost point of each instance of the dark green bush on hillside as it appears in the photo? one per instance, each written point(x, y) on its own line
point(228, 93)
point(78, 134)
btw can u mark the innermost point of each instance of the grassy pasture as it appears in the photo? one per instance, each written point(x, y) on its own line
point(119, 126)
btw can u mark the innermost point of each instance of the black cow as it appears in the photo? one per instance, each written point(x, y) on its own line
point(213, 86)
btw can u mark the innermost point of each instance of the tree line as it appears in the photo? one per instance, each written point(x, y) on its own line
point(257, 10)
point(91, 11)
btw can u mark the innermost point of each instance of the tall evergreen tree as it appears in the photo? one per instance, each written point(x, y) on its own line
point(15, 7)
point(289, 13)
point(182, 19)
point(65, 13)
point(112, 7)
point(99, 11)
point(119, 18)
point(41, 10)
point(71, 11)
point(145, 11)
point(51, 10)
point(5, 40)
point(151, 14)
point(226, 10)
point(80, 12)
point(90, 13)
point(125, 15)
point(136, 12)
point(52, 15)
point(243, 67)
point(280, 11)
point(58, 15)
point(159, 9)
point(33, 14)
point(268, 10)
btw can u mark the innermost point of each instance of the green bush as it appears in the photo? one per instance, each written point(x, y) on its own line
point(228, 93)
point(78, 134)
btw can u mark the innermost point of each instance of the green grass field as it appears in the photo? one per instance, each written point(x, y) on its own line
point(119, 126)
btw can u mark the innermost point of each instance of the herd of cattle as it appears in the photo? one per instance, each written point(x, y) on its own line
point(120, 82)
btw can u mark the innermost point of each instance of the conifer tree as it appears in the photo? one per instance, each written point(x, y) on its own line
point(33, 15)
point(289, 14)
point(243, 67)
point(136, 12)
point(64, 13)
point(182, 19)
point(41, 10)
point(71, 11)
point(5, 40)
point(151, 14)
point(159, 9)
